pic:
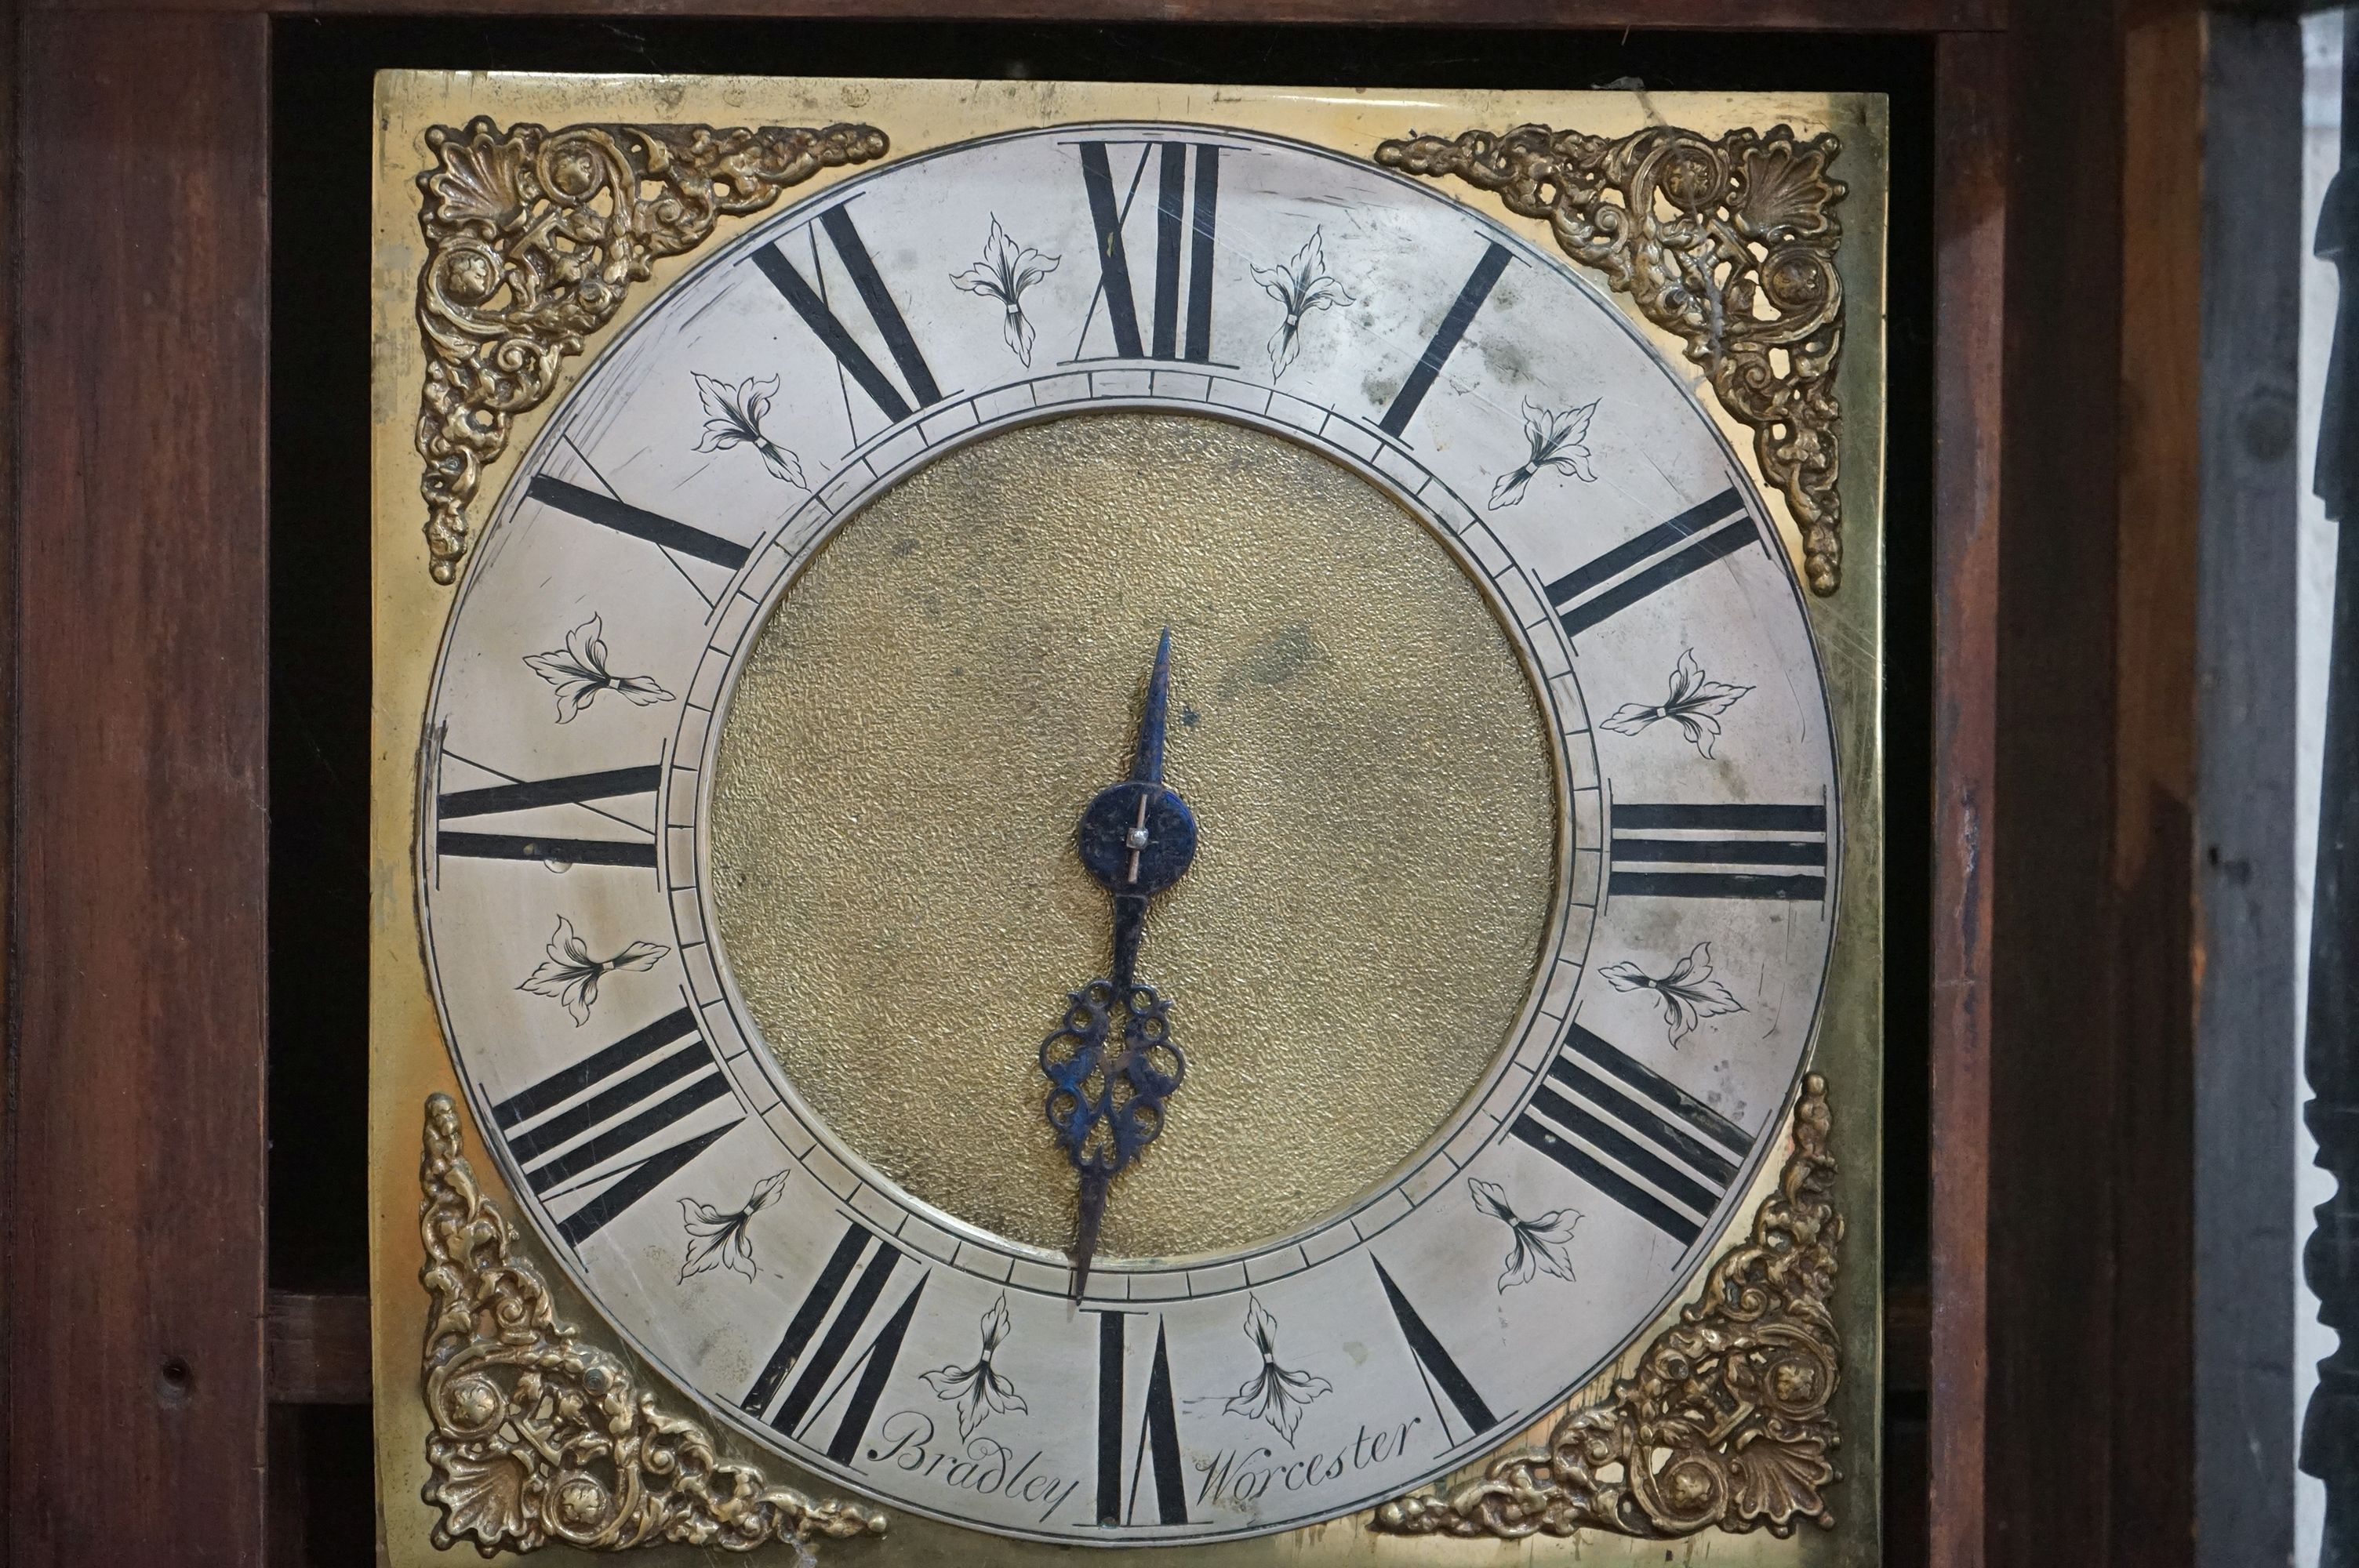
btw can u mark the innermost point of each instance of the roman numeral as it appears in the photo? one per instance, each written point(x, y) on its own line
point(865, 1394)
point(1176, 220)
point(637, 1090)
point(574, 789)
point(1158, 1437)
point(829, 329)
point(811, 1388)
point(1634, 1136)
point(593, 506)
point(1442, 1377)
point(1665, 553)
point(1445, 339)
point(1687, 851)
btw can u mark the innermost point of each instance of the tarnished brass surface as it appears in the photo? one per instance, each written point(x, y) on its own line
point(408, 1059)
point(539, 1439)
point(1727, 241)
point(1730, 1422)
point(935, 698)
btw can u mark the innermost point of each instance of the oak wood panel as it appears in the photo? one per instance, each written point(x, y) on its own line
point(1749, 15)
point(1971, 127)
point(136, 1339)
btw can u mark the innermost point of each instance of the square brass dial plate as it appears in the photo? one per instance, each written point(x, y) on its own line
point(412, 1053)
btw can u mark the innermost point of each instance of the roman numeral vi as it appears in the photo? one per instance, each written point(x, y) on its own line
point(1158, 1437)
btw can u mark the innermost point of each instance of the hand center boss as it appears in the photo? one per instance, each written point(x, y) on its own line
point(1110, 1062)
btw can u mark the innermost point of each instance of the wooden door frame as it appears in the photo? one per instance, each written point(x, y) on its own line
point(133, 638)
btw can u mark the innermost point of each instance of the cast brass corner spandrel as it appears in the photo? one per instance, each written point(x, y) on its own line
point(1729, 1424)
point(1728, 243)
point(541, 1438)
point(534, 240)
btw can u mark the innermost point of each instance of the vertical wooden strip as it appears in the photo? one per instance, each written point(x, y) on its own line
point(2152, 848)
point(1970, 154)
point(135, 1344)
point(2245, 582)
point(10, 237)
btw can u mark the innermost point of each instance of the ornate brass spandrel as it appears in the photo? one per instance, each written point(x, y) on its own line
point(1729, 244)
point(1729, 1423)
point(533, 239)
point(539, 1438)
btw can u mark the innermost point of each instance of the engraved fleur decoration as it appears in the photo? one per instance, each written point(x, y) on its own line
point(1301, 286)
point(734, 420)
point(571, 975)
point(1694, 704)
point(718, 1240)
point(1273, 1394)
point(1558, 440)
point(1543, 1242)
point(1688, 993)
point(1006, 271)
point(981, 1390)
point(579, 672)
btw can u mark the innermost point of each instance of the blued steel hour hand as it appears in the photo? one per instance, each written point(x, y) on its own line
point(1111, 1062)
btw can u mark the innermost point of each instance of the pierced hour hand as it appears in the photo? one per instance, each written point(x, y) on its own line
point(1110, 1062)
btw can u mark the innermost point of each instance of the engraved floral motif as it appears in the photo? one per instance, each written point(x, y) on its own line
point(718, 1240)
point(571, 975)
point(579, 672)
point(1688, 992)
point(1274, 1394)
point(534, 238)
point(1558, 440)
point(1006, 271)
point(1730, 1419)
point(1728, 243)
point(1301, 285)
point(1543, 1242)
point(981, 1390)
point(734, 420)
point(1694, 704)
point(539, 1439)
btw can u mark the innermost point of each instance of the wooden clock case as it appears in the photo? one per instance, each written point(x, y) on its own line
point(186, 581)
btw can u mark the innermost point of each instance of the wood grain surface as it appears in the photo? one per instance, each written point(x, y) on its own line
point(135, 1268)
point(1971, 181)
point(2085, 1443)
point(319, 1348)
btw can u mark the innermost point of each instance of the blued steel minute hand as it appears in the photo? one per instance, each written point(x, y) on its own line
point(1111, 1062)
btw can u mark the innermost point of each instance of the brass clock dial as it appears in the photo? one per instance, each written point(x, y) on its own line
point(816, 617)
